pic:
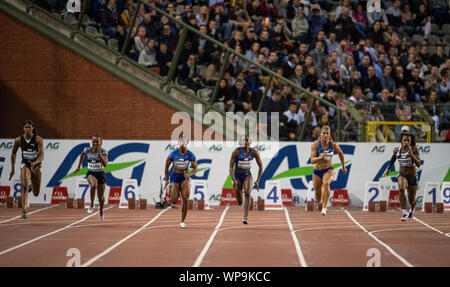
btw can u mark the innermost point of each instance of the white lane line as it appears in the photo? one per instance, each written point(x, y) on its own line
point(430, 227)
point(20, 216)
point(92, 260)
point(48, 234)
point(403, 260)
point(200, 257)
point(301, 258)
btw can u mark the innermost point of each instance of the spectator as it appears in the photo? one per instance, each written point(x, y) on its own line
point(317, 55)
point(364, 66)
point(371, 85)
point(273, 105)
point(387, 81)
point(140, 40)
point(439, 57)
point(190, 74)
point(432, 80)
point(148, 55)
point(288, 67)
point(239, 96)
point(355, 81)
point(298, 77)
point(291, 121)
point(212, 72)
point(423, 21)
point(169, 37)
point(331, 26)
point(357, 96)
point(203, 16)
point(127, 16)
point(302, 113)
point(130, 51)
point(220, 97)
point(164, 59)
point(330, 78)
point(300, 27)
point(374, 16)
point(110, 19)
point(416, 87)
point(345, 71)
point(316, 21)
point(311, 80)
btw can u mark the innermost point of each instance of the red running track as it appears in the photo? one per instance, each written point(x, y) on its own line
point(217, 237)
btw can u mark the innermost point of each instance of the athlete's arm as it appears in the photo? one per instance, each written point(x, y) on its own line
point(314, 148)
point(103, 158)
point(194, 169)
point(40, 146)
point(13, 156)
point(414, 152)
point(232, 162)
point(393, 158)
point(83, 154)
point(260, 165)
point(337, 148)
point(166, 171)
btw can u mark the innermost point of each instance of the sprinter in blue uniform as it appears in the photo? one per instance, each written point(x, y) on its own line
point(32, 147)
point(97, 158)
point(322, 152)
point(240, 165)
point(408, 158)
point(179, 176)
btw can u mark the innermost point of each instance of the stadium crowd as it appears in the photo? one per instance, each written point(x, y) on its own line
point(339, 51)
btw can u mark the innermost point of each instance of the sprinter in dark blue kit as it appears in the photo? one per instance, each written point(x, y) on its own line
point(97, 158)
point(408, 158)
point(241, 162)
point(32, 147)
point(179, 176)
point(322, 152)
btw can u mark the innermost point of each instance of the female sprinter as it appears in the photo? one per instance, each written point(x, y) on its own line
point(97, 158)
point(32, 147)
point(241, 176)
point(408, 158)
point(179, 177)
point(323, 172)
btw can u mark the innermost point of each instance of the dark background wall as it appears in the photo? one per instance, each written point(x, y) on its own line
point(67, 96)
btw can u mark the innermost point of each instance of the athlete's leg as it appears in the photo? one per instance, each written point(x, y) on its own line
point(326, 181)
point(101, 196)
point(412, 190)
point(317, 182)
point(402, 186)
point(93, 183)
point(238, 191)
point(185, 192)
point(25, 178)
point(174, 192)
point(36, 181)
point(247, 187)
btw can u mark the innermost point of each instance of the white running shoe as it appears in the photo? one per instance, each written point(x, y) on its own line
point(404, 217)
point(324, 211)
point(244, 220)
point(90, 209)
point(182, 225)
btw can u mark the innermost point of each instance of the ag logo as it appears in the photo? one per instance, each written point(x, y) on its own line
point(377, 149)
point(260, 147)
point(171, 147)
point(424, 149)
point(52, 146)
point(215, 148)
point(373, 6)
point(6, 145)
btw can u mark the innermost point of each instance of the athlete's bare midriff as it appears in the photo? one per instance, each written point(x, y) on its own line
point(322, 164)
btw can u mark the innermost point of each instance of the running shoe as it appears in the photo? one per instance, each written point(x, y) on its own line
point(101, 215)
point(244, 220)
point(182, 225)
point(411, 213)
point(24, 215)
point(91, 208)
point(404, 217)
point(324, 211)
